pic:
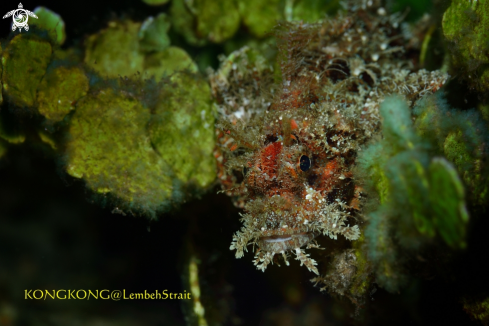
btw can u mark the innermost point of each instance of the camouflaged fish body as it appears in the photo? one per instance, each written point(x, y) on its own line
point(287, 149)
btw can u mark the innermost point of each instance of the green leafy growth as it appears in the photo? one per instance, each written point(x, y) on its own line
point(408, 179)
point(466, 26)
point(261, 16)
point(167, 62)
point(420, 195)
point(128, 49)
point(153, 35)
point(447, 196)
point(381, 251)
point(51, 22)
point(110, 149)
point(201, 21)
point(363, 278)
point(24, 61)
point(114, 51)
point(182, 129)
point(47, 139)
point(145, 144)
point(462, 137)
point(59, 90)
point(397, 128)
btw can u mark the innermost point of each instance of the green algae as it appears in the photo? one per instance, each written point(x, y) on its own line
point(114, 51)
point(461, 136)
point(421, 194)
point(261, 16)
point(468, 15)
point(201, 21)
point(363, 279)
point(24, 61)
point(51, 22)
point(47, 139)
point(413, 182)
point(456, 150)
point(129, 49)
point(167, 62)
point(448, 202)
point(153, 35)
point(59, 90)
point(380, 248)
point(110, 149)
point(465, 25)
point(148, 150)
point(182, 129)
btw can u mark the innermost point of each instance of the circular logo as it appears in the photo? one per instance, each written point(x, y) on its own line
point(20, 17)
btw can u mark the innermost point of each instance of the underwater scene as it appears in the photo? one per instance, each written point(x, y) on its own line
point(244, 162)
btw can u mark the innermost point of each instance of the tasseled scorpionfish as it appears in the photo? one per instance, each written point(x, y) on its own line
point(288, 139)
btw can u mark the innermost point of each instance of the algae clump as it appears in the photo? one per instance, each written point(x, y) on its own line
point(59, 90)
point(201, 21)
point(147, 144)
point(129, 49)
point(465, 25)
point(461, 136)
point(447, 196)
point(110, 149)
point(51, 22)
point(261, 16)
point(421, 195)
point(182, 129)
point(24, 61)
point(423, 185)
point(167, 62)
point(115, 51)
point(153, 33)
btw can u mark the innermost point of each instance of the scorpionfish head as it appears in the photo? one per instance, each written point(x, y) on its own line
point(289, 169)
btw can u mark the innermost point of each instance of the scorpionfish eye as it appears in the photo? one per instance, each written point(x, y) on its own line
point(304, 163)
